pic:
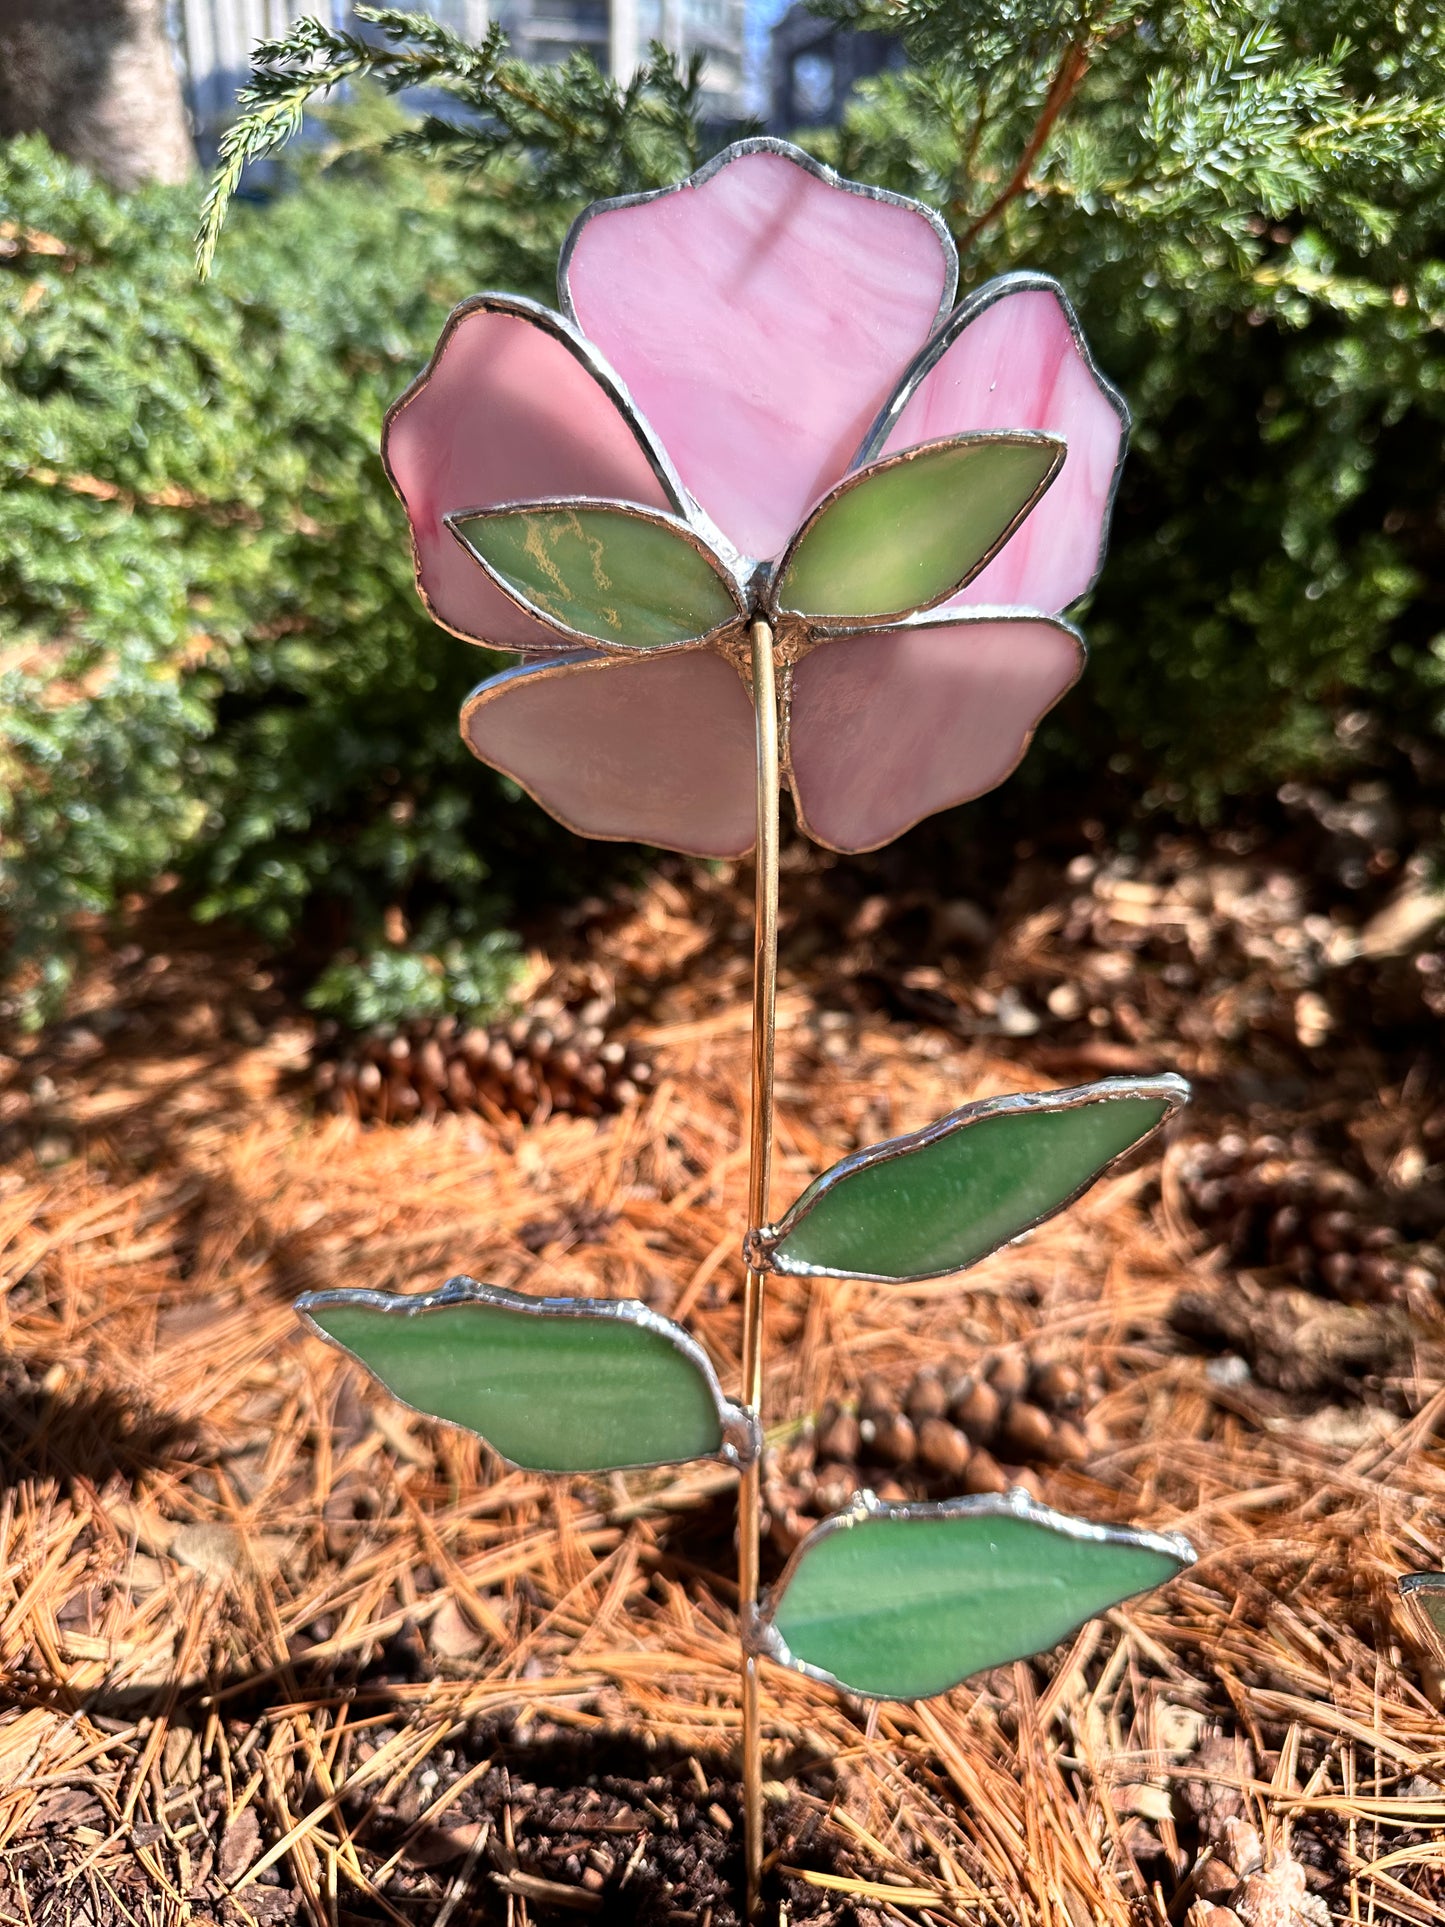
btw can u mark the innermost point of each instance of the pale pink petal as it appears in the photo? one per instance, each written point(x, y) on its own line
point(509, 410)
point(659, 750)
point(760, 315)
point(888, 728)
point(1013, 357)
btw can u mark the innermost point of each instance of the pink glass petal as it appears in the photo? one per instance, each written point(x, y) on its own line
point(1019, 363)
point(887, 728)
point(760, 315)
point(655, 751)
point(507, 412)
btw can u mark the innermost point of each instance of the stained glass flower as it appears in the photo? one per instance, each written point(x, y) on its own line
point(758, 399)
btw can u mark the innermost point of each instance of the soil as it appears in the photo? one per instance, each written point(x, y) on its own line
point(609, 1832)
point(276, 1651)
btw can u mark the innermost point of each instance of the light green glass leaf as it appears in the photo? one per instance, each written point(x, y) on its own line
point(908, 531)
point(552, 1384)
point(902, 1602)
point(602, 572)
point(1424, 1596)
point(940, 1199)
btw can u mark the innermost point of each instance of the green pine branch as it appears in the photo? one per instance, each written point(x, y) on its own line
point(580, 133)
point(1209, 121)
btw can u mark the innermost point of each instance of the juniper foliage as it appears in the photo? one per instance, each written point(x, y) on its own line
point(1248, 204)
point(214, 662)
point(563, 134)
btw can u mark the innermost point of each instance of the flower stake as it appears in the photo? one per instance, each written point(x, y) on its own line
point(1423, 1594)
point(761, 505)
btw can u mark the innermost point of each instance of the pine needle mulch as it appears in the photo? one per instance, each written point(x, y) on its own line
point(275, 1649)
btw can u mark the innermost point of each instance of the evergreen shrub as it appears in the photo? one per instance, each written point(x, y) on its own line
point(1246, 201)
point(212, 660)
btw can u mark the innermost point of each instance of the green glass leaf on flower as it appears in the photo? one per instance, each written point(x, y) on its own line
point(940, 1199)
point(902, 1602)
point(1423, 1594)
point(602, 572)
point(908, 531)
point(552, 1384)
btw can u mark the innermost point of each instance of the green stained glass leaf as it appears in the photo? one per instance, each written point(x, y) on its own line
point(1424, 1596)
point(940, 1199)
point(552, 1384)
point(902, 1602)
point(602, 572)
point(907, 532)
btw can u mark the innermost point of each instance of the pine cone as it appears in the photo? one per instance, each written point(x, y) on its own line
point(1283, 1207)
point(942, 1432)
point(550, 1059)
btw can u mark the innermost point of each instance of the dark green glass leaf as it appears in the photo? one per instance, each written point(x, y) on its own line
point(1424, 1597)
point(904, 1602)
point(942, 1198)
point(552, 1384)
point(602, 573)
point(910, 530)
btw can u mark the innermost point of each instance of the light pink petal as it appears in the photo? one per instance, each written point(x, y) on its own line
point(890, 727)
point(760, 314)
point(660, 750)
point(1013, 357)
point(509, 410)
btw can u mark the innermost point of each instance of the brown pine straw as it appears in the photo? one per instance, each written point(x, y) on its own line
point(175, 1576)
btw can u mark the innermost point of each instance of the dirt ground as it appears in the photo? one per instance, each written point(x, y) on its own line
point(275, 1650)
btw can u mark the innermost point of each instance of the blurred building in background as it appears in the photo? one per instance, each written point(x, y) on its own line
point(617, 34)
point(815, 63)
point(214, 39)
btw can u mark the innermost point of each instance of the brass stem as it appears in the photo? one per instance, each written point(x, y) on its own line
point(760, 1160)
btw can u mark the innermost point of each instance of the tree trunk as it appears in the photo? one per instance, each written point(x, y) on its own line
point(96, 78)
